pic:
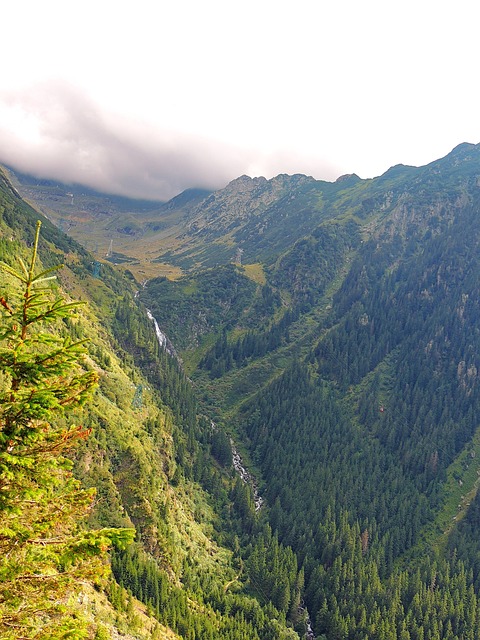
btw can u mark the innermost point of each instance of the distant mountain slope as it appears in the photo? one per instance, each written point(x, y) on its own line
point(332, 330)
point(106, 224)
point(350, 371)
point(157, 464)
point(253, 218)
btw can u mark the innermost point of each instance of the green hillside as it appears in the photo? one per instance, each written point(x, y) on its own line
point(351, 377)
point(156, 466)
point(331, 331)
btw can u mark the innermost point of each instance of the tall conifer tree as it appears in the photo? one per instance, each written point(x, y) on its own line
point(44, 548)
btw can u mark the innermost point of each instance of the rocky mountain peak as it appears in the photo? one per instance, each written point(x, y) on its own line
point(246, 196)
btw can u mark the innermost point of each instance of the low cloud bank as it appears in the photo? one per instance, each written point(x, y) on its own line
point(56, 131)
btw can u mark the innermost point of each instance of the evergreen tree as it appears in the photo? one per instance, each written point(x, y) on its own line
point(44, 551)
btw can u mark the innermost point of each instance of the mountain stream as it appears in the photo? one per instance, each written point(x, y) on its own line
point(244, 474)
point(163, 341)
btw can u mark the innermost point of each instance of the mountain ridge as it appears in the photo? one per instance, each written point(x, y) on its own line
point(351, 376)
point(150, 456)
point(331, 330)
point(246, 212)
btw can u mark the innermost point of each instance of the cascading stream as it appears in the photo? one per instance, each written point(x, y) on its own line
point(244, 474)
point(161, 337)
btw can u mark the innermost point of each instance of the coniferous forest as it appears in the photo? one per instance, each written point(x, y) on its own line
point(337, 361)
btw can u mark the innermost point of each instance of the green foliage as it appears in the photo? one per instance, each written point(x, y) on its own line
point(128, 459)
point(189, 309)
point(352, 377)
point(18, 219)
point(306, 270)
point(355, 442)
point(44, 551)
point(354, 446)
point(221, 448)
point(135, 334)
point(142, 577)
point(225, 355)
point(273, 573)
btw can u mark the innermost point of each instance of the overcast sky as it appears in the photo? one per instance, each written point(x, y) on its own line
point(148, 97)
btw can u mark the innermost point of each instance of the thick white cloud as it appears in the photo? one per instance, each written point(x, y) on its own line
point(54, 130)
point(153, 97)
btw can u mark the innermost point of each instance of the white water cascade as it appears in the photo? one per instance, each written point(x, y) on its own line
point(246, 476)
point(161, 337)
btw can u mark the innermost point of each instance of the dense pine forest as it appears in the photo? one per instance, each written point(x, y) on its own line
point(327, 333)
point(146, 465)
point(351, 378)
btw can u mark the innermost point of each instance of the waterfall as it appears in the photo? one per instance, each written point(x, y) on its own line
point(163, 341)
point(161, 337)
point(246, 476)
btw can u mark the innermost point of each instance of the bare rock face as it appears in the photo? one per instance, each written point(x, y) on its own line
point(242, 199)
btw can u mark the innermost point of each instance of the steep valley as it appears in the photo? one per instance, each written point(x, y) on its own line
point(330, 330)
